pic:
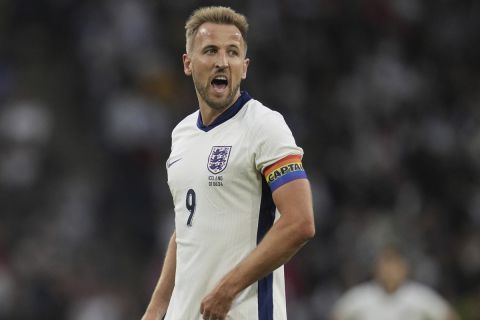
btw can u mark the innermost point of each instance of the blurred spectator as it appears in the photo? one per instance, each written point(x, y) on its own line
point(391, 296)
point(25, 129)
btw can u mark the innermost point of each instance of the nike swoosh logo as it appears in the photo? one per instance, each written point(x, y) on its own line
point(173, 162)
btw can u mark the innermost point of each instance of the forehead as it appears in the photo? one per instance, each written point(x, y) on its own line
point(218, 34)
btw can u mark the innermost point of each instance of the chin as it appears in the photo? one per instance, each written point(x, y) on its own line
point(219, 103)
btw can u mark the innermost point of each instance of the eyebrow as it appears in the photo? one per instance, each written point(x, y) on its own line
point(209, 46)
point(213, 46)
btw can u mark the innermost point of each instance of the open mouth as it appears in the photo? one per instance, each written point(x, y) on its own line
point(219, 83)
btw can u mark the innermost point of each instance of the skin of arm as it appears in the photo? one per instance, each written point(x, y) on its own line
point(292, 231)
point(157, 308)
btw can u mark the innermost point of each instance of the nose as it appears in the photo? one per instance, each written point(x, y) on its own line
point(222, 60)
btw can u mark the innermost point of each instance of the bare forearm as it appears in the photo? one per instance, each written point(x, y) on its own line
point(163, 290)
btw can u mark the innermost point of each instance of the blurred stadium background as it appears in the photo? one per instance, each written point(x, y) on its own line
point(384, 96)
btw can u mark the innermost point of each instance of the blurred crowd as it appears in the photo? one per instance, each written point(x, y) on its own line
point(383, 95)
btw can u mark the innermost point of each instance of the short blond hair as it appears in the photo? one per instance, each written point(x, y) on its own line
point(217, 15)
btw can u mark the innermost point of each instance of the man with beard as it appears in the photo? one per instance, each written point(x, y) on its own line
point(242, 200)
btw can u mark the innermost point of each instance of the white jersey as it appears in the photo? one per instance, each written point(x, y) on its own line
point(412, 301)
point(223, 204)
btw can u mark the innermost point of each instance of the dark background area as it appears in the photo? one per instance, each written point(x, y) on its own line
point(384, 97)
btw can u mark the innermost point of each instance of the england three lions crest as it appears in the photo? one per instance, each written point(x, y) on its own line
point(218, 159)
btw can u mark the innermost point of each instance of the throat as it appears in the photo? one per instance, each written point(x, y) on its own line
point(209, 115)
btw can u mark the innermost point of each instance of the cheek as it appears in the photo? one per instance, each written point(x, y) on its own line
point(199, 66)
point(240, 72)
point(197, 72)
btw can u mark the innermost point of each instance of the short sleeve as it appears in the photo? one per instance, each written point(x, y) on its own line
point(277, 156)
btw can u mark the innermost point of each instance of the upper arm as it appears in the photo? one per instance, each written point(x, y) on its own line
point(294, 202)
point(294, 198)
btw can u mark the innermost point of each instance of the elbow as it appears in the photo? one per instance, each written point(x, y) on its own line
point(310, 232)
point(306, 231)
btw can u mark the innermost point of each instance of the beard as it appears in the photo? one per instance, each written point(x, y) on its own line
point(216, 104)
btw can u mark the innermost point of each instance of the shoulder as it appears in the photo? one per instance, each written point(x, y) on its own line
point(361, 292)
point(357, 297)
point(256, 111)
point(362, 289)
point(264, 120)
point(417, 290)
point(426, 299)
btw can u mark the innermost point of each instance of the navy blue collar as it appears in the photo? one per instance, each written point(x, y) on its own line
point(227, 114)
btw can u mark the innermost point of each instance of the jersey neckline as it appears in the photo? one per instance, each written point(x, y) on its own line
point(227, 114)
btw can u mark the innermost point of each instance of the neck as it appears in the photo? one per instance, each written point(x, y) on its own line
point(209, 114)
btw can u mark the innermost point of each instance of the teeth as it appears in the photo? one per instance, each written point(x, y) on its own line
point(221, 78)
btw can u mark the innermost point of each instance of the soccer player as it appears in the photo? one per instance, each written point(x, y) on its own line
point(242, 200)
point(390, 296)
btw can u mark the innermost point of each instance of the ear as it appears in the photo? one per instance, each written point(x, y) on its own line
point(246, 62)
point(187, 64)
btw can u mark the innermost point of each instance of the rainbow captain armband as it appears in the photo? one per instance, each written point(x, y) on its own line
point(285, 170)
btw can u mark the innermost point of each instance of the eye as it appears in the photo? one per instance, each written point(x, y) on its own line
point(233, 53)
point(210, 51)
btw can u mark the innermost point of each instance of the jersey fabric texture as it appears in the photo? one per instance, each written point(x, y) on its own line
point(223, 204)
point(412, 301)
